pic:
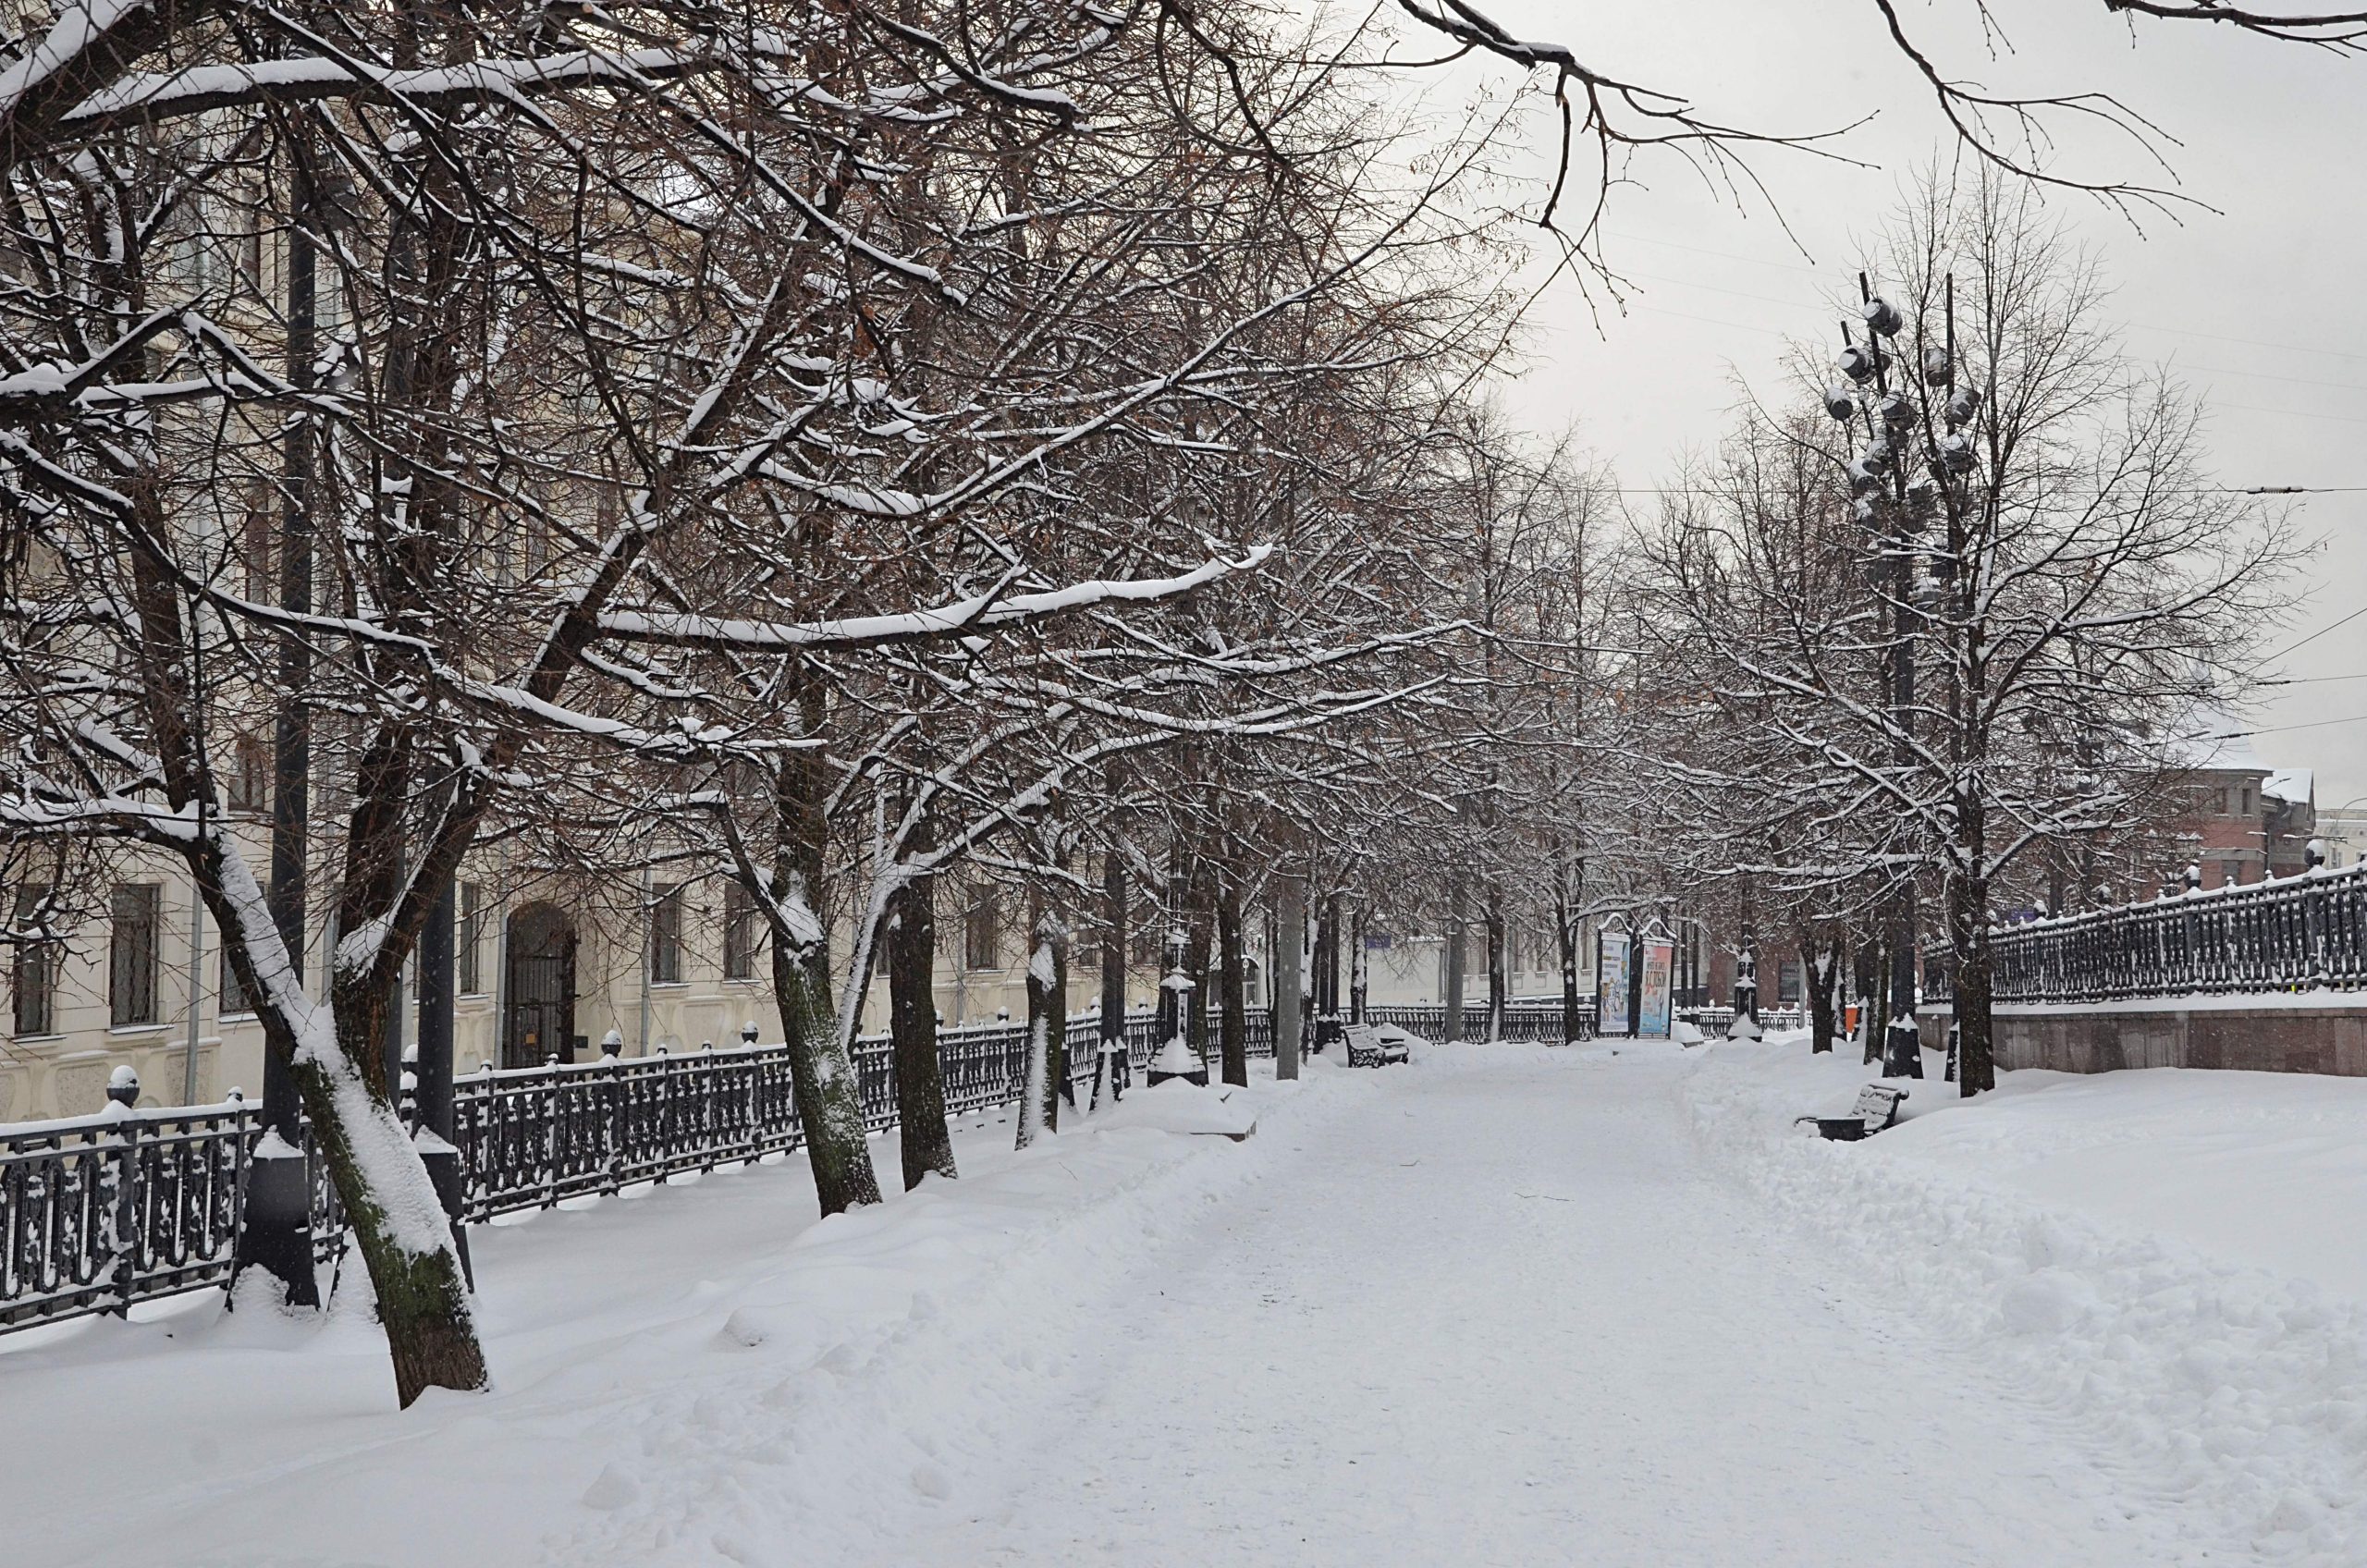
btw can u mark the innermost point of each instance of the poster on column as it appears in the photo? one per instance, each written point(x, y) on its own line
point(1610, 975)
point(1653, 1011)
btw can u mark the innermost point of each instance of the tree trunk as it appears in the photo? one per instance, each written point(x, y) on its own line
point(1453, 999)
point(1568, 884)
point(1869, 1002)
point(1290, 972)
point(1902, 1043)
point(1233, 1033)
point(335, 1064)
point(1359, 970)
point(927, 1143)
point(822, 1074)
point(1820, 966)
point(1199, 941)
point(1974, 1008)
point(414, 1270)
point(1048, 1027)
point(1499, 977)
point(1114, 972)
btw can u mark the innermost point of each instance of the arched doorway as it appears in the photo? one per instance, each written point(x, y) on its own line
point(540, 1019)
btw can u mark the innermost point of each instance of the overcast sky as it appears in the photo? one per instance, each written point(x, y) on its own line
point(2260, 307)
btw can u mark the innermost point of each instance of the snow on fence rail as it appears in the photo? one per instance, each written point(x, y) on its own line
point(1526, 1018)
point(98, 1213)
point(2295, 933)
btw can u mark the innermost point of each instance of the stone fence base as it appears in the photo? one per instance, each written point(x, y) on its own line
point(2105, 1037)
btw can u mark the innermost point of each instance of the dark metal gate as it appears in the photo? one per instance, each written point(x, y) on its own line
point(540, 1022)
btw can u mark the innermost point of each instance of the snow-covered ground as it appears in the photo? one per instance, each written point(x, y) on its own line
point(2170, 1264)
point(1594, 1305)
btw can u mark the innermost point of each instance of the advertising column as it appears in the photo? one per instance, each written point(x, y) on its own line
point(1611, 985)
point(1654, 1009)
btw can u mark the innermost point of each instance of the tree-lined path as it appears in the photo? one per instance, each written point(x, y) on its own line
point(1503, 1315)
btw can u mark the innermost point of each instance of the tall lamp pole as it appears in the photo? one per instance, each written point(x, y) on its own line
point(1895, 492)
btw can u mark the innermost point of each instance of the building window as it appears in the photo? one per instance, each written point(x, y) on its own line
point(132, 953)
point(255, 546)
point(231, 996)
point(981, 935)
point(739, 933)
point(467, 970)
point(665, 934)
point(2247, 802)
point(34, 991)
point(249, 775)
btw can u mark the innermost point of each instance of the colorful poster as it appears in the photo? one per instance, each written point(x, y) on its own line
point(1654, 1012)
point(1611, 986)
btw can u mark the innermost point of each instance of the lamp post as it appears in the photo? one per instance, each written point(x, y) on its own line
point(1895, 491)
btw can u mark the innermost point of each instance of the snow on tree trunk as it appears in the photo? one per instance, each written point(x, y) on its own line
point(1290, 974)
point(1820, 963)
point(1047, 1026)
point(822, 1078)
point(912, 1025)
point(1200, 938)
point(398, 1222)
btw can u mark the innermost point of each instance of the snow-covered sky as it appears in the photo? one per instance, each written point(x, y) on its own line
point(2260, 306)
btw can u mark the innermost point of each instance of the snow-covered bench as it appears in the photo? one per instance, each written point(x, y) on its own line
point(1877, 1108)
point(1373, 1045)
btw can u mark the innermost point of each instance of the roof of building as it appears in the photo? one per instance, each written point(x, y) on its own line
point(2294, 786)
point(2215, 742)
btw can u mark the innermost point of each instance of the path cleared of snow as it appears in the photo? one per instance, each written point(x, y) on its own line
point(1508, 1304)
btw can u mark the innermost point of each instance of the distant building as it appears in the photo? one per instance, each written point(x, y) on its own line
point(2344, 833)
point(2243, 820)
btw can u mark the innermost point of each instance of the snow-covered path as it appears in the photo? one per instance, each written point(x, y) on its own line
point(1507, 1306)
point(1502, 1316)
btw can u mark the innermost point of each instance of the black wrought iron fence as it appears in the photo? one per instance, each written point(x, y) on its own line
point(1526, 1018)
point(99, 1212)
point(2296, 934)
point(102, 1212)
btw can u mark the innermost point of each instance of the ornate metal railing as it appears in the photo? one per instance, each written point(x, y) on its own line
point(1526, 1018)
point(2298, 933)
point(99, 1213)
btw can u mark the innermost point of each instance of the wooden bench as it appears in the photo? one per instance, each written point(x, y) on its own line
point(1877, 1108)
point(1372, 1046)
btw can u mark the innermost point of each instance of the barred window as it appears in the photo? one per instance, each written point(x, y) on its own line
point(263, 582)
point(35, 980)
point(982, 935)
point(740, 933)
point(249, 775)
point(233, 995)
point(665, 934)
point(466, 940)
point(132, 953)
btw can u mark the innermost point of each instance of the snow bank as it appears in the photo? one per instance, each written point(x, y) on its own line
point(2096, 1246)
point(1176, 1106)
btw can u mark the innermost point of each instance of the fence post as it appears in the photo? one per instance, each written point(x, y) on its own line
point(665, 1110)
point(612, 1096)
point(119, 1199)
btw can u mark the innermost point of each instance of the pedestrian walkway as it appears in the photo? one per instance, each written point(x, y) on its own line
point(1502, 1316)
